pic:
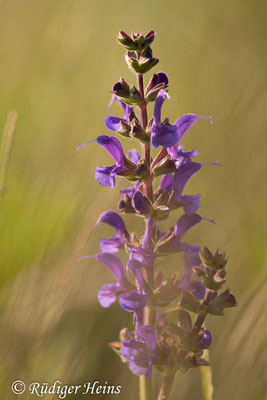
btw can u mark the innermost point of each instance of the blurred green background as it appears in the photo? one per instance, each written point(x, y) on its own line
point(59, 59)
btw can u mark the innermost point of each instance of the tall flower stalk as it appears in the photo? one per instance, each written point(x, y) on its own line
point(155, 194)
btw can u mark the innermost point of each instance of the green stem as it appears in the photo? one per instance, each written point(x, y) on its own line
point(167, 385)
point(146, 389)
point(146, 384)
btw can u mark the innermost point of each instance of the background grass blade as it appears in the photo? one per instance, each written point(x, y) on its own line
point(206, 379)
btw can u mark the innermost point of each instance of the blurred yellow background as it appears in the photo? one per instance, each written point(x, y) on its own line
point(59, 60)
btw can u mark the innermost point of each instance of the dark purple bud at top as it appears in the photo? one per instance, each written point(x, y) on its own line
point(205, 340)
point(163, 78)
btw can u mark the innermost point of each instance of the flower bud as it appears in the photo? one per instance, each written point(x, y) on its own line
point(165, 166)
point(128, 94)
point(138, 132)
point(158, 81)
point(126, 41)
point(141, 65)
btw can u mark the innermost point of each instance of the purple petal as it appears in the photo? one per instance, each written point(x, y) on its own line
point(163, 135)
point(130, 191)
point(166, 182)
point(113, 146)
point(127, 109)
point(161, 97)
point(140, 368)
point(190, 203)
point(107, 295)
point(149, 334)
point(135, 267)
point(185, 122)
point(140, 203)
point(198, 289)
point(113, 219)
point(113, 123)
point(131, 348)
point(111, 245)
point(105, 176)
point(191, 257)
point(184, 223)
point(134, 156)
point(133, 301)
point(114, 264)
point(148, 233)
point(146, 257)
point(182, 176)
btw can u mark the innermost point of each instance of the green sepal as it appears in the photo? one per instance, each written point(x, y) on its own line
point(191, 303)
point(224, 300)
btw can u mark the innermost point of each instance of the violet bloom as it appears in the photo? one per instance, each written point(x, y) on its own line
point(106, 175)
point(114, 123)
point(162, 134)
point(175, 244)
point(140, 352)
point(183, 124)
point(176, 182)
point(143, 253)
point(116, 242)
point(107, 295)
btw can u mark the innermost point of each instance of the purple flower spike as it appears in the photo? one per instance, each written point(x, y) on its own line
point(133, 301)
point(205, 340)
point(141, 351)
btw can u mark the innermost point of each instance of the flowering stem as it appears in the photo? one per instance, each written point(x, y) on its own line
point(167, 385)
point(201, 318)
point(148, 183)
point(146, 386)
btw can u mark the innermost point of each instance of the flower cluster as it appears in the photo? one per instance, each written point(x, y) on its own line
point(141, 286)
